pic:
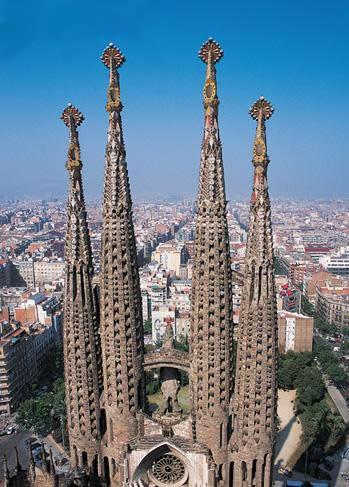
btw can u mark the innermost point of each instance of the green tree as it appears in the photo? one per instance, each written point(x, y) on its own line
point(290, 366)
point(147, 327)
point(330, 363)
point(323, 326)
point(35, 414)
point(310, 386)
point(337, 374)
point(54, 366)
point(307, 308)
point(43, 414)
point(344, 347)
point(313, 422)
point(182, 343)
point(335, 426)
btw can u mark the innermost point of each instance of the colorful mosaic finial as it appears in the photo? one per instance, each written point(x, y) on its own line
point(211, 50)
point(112, 57)
point(261, 111)
point(71, 115)
point(72, 118)
point(261, 107)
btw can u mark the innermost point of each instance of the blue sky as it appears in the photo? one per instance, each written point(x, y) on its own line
point(295, 53)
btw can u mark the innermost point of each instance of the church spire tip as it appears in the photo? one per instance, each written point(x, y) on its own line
point(112, 57)
point(211, 51)
point(73, 118)
point(261, 108)
point(261, 111)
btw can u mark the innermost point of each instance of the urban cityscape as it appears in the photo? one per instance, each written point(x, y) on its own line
point(311, 242)
point(164, 331)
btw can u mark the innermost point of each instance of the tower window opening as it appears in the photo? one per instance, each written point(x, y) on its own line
point(231, 474)
point(254, 470)
point(243, 471)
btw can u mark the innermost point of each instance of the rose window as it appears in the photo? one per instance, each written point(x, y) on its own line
point(168, 469)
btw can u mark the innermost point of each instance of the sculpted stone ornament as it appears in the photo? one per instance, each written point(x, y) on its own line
point(170, 384)
point(226, 440)
point(81, 342)
point(211, 353)
point(73, 118)
point(120, 297)
point(113, 59)
point(170, 387)
point(255, 386)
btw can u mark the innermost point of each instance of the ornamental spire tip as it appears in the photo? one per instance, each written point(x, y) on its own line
point(72, 118)
point(263, 107)
point(211, 49)
point(112, 56)
point(72, 114)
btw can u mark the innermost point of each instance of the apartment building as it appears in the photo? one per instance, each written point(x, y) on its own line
point(332, 304)
point(23, 354)
point(295, 332)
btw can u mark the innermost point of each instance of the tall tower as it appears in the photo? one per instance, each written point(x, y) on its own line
point(255, 389)
point(212, 317)
point(121, 307)
point(81, 338)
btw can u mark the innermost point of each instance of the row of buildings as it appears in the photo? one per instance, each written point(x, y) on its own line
point(30, 326)
point(166, 299)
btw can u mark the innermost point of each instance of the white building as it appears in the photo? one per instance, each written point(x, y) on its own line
point(162, 316)
point(336, 264)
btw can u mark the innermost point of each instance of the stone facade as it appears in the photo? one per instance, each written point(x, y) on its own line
point(212, 314)
point(80, 337)
point(121, 303)
point(115, 439)
point(255, 387)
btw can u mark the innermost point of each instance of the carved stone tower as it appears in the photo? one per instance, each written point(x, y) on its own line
point(120, 298)
point(81, 338)
point(255, 388)
point(212, 317)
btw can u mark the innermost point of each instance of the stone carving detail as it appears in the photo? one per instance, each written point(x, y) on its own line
point(169, 387)
point(255, 390)
point(121, 310)
point(212, 325)
point(81, 341)
point(168, 469)
point(104, 366)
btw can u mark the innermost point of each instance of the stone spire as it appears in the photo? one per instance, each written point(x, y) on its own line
point(212, 323)
point(81, 339)
point(255, 389)
point(121, 307)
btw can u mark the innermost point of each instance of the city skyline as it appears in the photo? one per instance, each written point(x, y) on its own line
point(50, 57)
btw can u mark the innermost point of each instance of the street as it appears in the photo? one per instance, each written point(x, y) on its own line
point(339, 401)
point(9, 442)
point(7, 448)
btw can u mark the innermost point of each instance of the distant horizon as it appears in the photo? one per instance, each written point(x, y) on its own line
point(171, 199)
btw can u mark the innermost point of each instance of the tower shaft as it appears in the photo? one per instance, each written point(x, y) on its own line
point(211, 330)
point(255, 387)
point(81, 334)
point(121, 310)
